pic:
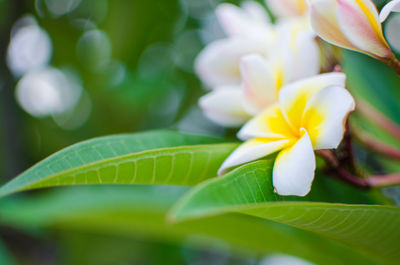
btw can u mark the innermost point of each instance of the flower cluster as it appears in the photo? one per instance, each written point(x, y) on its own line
point(255, 60)
point(266, 77)
point(309, 115)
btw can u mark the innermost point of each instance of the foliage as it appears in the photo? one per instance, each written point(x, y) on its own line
point(147, 193)
point(140, 212)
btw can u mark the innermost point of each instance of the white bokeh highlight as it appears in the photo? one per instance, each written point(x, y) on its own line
point(30, 47)
point(47, 92)
point(280, 259)
point(94, 49)
point(61, 7)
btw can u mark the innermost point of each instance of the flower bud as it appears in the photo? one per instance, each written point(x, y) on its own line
point(351, 24)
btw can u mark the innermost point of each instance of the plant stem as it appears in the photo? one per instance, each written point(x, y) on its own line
point(351, 179)
point(377, 146)
point(348, 144)
point(338, 172)
point(393, 62)
point(384, 180)
point(329, 158)
point(380, 119)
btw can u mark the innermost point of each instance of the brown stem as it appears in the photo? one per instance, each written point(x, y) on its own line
point(393, 62)
point(375, 145)
point(348, 144)
point(329, 157)
point(339, 173)
point(336, 171)
point(380, 119)
point(354, 180)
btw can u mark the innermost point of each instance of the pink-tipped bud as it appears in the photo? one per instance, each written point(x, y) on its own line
point(351, 24)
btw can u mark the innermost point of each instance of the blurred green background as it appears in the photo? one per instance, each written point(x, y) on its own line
point(128, 67)
point(131, 61)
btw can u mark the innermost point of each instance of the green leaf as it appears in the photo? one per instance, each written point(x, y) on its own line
point(378, 84)
point(373, 81)
point(158, 157)
point(370, 229)
point(139, 211)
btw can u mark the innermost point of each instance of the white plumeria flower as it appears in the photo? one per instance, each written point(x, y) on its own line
point(310, 115)
point(287, 8)
point(392, 6)
point(248, 29)
point(248, 21)
point(350, 24)
point(231, 106)
point(224, 106)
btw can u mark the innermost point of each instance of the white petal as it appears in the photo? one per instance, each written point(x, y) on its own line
point(393, 33)
point(251, 150)
point(294, 97)
point(359, 23)
point(244, 22)
point(224, 106)
point(306, 59)
point(258, 82)
point(294, 168)
point(218, 63)
point(325, 116)
point(231, 18)
point(287, 8)
point(294, 48)
point(270, 123)
point(392, 6)
point(324, 23)
point(256, 11)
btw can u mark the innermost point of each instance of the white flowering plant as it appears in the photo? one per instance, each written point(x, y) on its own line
point(312, 149)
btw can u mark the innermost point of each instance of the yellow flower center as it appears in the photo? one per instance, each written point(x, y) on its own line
point(295, 118)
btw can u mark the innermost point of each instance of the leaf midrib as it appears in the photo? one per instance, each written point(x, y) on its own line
point(241, 209)
point(115, 158)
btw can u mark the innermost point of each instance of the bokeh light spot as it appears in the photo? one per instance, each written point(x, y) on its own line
point(49, 91)
point(61, 7)
point(94, 49)
point(30, 47)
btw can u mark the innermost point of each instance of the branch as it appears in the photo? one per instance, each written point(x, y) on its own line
point(377, 181)
point(392, 62)
point(384, 180)
point(348, 145)
point(377, 146)
point(339, 173)
point(380, 119)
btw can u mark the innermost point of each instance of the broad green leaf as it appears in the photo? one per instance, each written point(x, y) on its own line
point(371, 80)
point(371, 229)
point(158, 157)
point(140, 211)
point(376, 83)
point(360, 122)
